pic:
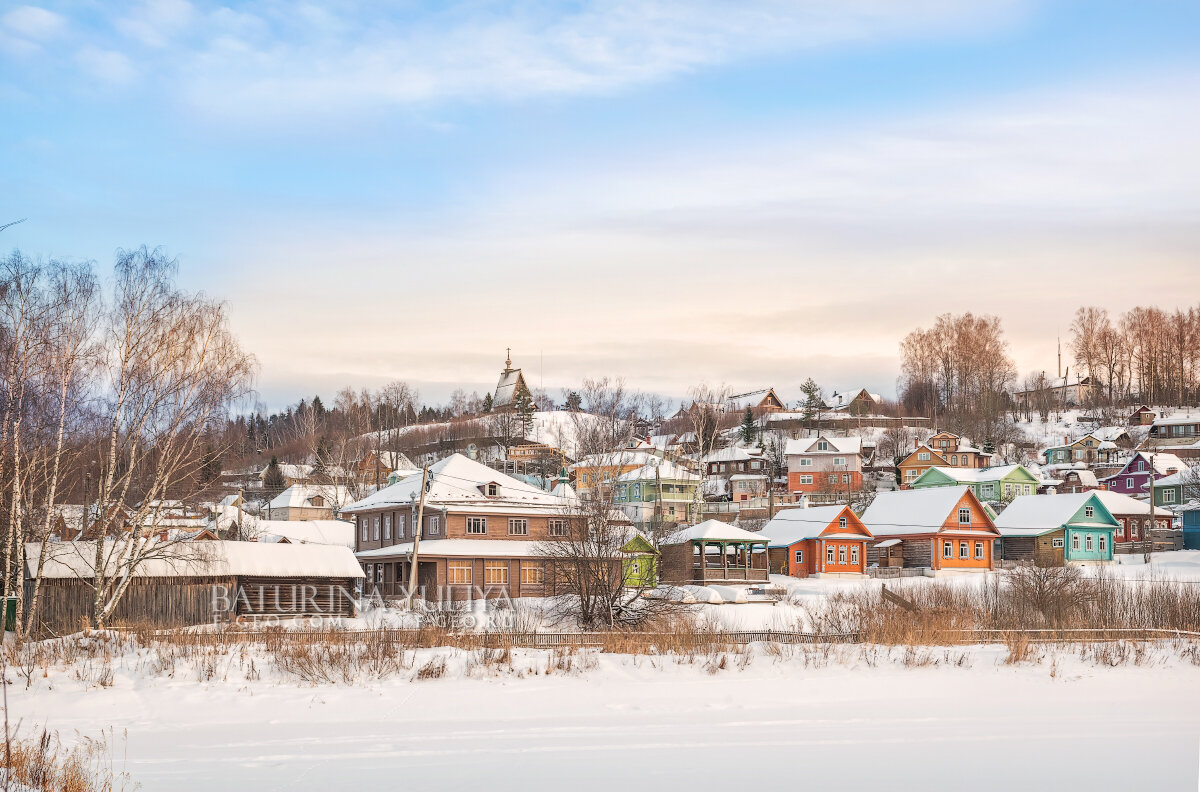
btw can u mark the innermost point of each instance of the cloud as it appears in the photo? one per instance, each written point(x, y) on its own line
point(107, 66)
point(34, 23)
point(277, 62)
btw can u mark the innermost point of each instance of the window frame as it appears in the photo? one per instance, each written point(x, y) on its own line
point(964, 550)
point(457, 565)
point(518, 522)
point(387, 526)
point(980, 554)
point(476, 522)
point(798, 557)
point(495, 568)
point(967, 511)
point(829, 554)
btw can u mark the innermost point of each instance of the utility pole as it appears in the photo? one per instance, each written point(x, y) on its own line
point(412, 569)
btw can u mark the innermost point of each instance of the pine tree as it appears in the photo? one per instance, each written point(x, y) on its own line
point(574, 401)
point(525, 409)
point(318, 407)
point(487, 403)
point(748, 427)
point(273, 480)
point(812, 398)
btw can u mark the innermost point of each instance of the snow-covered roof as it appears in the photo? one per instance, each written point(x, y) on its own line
point(1110, 433)
point(324, 532)
point(793, 525)
point(624, 458)
point(455, 482)
point(911, 511)
point(730, 454)
point(837, 445)
point(1030, 515)
point(976, 475)
point(459, 548)
point(201, 559)
point(1176, 420)
point(1188, 475)
point(1120, 503)
point(301, 495)
point(714, 531)
point(1086, 477)
point(565, 491)
point(506, 388)
point(663, 470)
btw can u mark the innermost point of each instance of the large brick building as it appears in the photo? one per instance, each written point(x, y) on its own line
point(824, 464)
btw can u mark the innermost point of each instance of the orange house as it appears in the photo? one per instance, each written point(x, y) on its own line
point(821, 541)
point(938, 528)
point(944, 449)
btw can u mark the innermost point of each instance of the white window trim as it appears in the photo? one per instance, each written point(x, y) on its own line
point(479, 521)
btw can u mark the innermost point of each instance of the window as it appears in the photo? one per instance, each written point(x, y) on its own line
point(362, 522)
point(495, 573)
point(755, 464)
point(532, 573)
point(387, 526)
point(979, 551)
point(911, 474)
point(1056, 543)
point(962, 549)
point(476, 525)
point(722, 467)
point(435, 525)
point(964, 516)
point(805, 461)
point(493, 490)
point(1074, 541)
point(841, 554)
point(845, 478)
point(459, 573)
point(989, 490)
point(854, 555)
point(518, 527)
point(841, 522)
point(1142, 465)
point(822, 445)
point(1103, 543)
point(318, 501)
point(829, 554)
point(839, 461)
point(799, 556)
point(1088, 543)
point(375, 528)
point(379, 573)
point(806, 480)
point(412, 518)
point(833, 478)
point(1089, 511)
point(622, 491)
point(557, 527)
point(923, 456)
point(1168, 496)
point(635, 567)
point(1129, 483)
point(947, 549)
point(1008, 490)
point(637, 490)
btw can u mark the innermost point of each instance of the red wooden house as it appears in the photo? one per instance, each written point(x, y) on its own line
point(938, 528)
point(821, 541)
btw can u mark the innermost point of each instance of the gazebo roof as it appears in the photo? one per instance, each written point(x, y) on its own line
point(714, 531)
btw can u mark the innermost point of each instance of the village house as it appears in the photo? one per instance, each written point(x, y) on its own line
point(1179, 435)
point(824, 464)
point(1134, 518)
point(714, 552)
point(1142, 416)
point(1088, 450)
point(736, 473)
point(1177, 488)
point(1078, 480)
point(944, 449)
point(375, 467)
point(292, 474)
point(1053, 530)
point(657, 494)
point(479, 535)
point(939, 528)
point(822, 541)
point(1066, 391)
point(600, 470)
point(1190, 518)
point(307, 502)
point(1003, 482)
point(860, 402)
point(1134, 476)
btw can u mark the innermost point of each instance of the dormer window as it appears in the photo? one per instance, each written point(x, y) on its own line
point(491, 489)
point(318, 501)
point(822, 445)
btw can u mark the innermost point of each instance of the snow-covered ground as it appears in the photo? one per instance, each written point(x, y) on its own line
point(968, 722)
point(841, 717)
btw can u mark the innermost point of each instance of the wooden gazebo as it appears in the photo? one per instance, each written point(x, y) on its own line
point(714, 552)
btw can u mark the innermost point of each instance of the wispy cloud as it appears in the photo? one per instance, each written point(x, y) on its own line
point(264, 60)
point(107, 66)
point(34, 23)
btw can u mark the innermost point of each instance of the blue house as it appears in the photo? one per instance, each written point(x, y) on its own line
point(1191, 526)
point(1053, 530)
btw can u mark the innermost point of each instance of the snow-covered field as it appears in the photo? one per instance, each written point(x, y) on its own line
point(838, 717)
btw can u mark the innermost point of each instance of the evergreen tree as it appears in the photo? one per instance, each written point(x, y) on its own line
point(574, 401)
point(813, 400)
point(525, 408)
point(317, 407)
point(989, 447)
point(748, 427)
point(487, 403)
point(273, 480)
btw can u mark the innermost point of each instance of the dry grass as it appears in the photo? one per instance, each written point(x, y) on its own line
point(42, 763)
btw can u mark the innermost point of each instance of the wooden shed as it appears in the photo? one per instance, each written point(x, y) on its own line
point(195, 583)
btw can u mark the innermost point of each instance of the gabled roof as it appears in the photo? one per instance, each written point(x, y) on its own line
point(915, 511)
point(301, 495)
point(795, 525)
point(1164, 464)
point(1031, 515)
point(977, 475)
point(617, 459)
point(511, 380)
point(663, 470)
point(1120, 503)
point(201, 559)
point(730, 454)
point(455, 482)
point(320, 532)
point(714, 531)
point(837, 445)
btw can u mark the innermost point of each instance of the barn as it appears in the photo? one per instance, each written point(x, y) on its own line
point(195, 583)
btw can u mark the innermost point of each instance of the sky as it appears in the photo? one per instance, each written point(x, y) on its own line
point(746, 194)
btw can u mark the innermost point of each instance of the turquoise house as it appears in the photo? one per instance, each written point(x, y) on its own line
point(1190, 516)
point(1003, 482)
point(1053, 530)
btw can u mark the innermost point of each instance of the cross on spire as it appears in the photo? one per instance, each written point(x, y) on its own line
point(508, 358)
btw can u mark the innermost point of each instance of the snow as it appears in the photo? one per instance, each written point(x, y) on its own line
point(716, 531)
point(911, 511)
point(1030, 515)
point(792, 525)
point(212, 558)
point(846, 718)
point(325, 532)
point(467, 548)
point(837, 445)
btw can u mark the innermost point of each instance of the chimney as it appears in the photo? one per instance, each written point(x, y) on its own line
point(1066, 440)
point(916, 443)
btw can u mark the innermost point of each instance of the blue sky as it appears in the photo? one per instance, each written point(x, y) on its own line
point(676, 192)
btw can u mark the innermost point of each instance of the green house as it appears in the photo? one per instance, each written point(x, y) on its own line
point(1175, 489)
point(640, 564)
point(662, 491)
point(1052, 530)
point(1003, 482)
